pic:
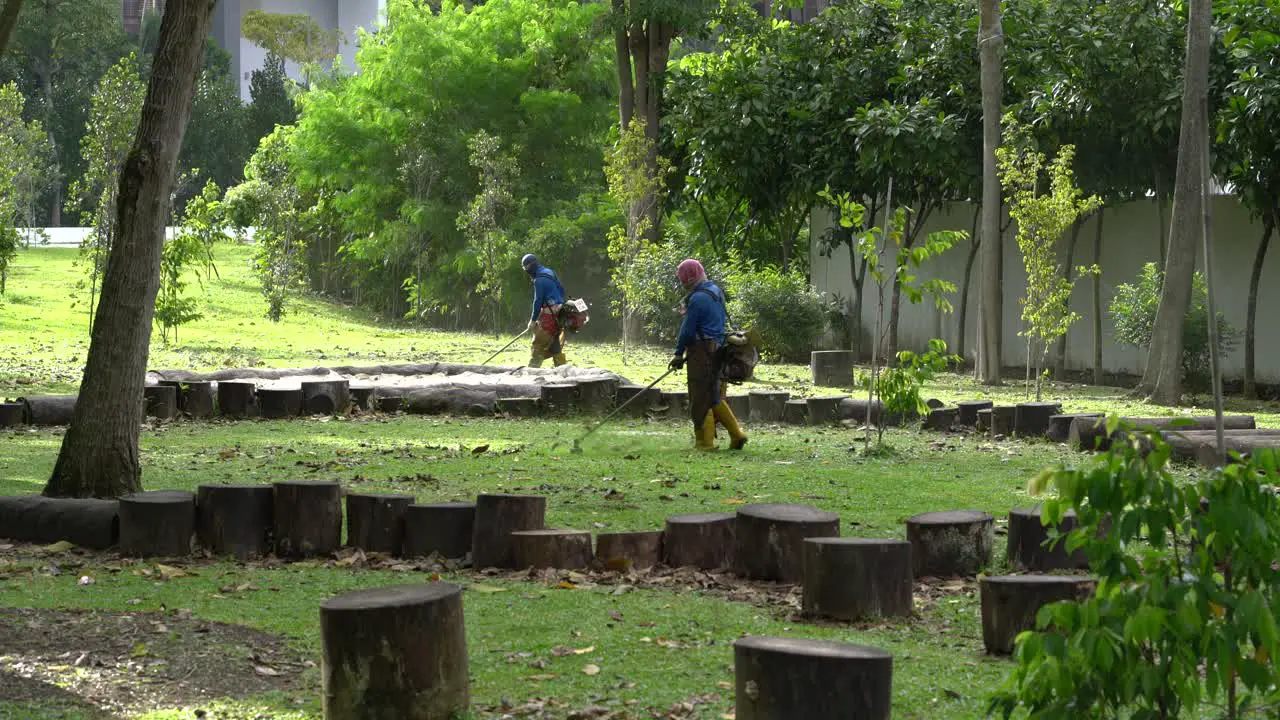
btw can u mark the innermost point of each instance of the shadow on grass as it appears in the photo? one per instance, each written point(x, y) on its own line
point(31, 699)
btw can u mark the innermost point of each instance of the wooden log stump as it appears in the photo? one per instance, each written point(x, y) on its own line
point(521, 407)
point(595, 397)
point(395, 652)
point(793, 678)
point(1028, 536)
point(767, 405)
point(950, 544)
point(236, 398)
point(90, 523)
point(984, 420)
point(235, 520)
point(497, 516)
point(640, 407)
point(308, 517)
point(444, 529)
point(278, 403)
point(325, 397)
point(48, 409)
point(703, 540)
point(550, 548)
point(832, 368)
point(677, 404)
point(1089, 434)
point(160, 401)
point(559, 398)
point(197, 400)
point(157, 524)
point(796, 412)
point(854, 410)
point(968, 415)
point(856, 578)
point(1032, 419)
point(1243, 446)
point(362, 398)
point(628, 550)
point(1060, 425)
point(1189, 444)
point(1010, 604)
point(179, 400)
point(942, 419)
point(375, 523)
point(741, 406)
point(770, 539)
point(824, 410)
point(390, 404)
point(998, 420)
point(10, 414)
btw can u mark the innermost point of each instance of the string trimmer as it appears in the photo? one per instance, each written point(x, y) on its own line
point(504, 347)
point(577, 444)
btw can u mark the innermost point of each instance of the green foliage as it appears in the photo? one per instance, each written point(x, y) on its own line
point(190, 250)
point(271, 103)
point(485, 219)
point(1184, 619)
point(24, 168)
point(216, 141)
point(1134, 307)
point(789, 314)
point(636, 192)
point(291, 36)
point(899, 387)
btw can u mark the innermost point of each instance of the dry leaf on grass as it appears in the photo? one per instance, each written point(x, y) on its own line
point(591, 670)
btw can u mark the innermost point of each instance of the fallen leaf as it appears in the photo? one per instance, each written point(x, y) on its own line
point(723, 685)
point(479, 449)
point(168, 572)
point(59, 547)
point(139, 650)
point(85, 580)
point(539, 678)
point(585, 650)
point(487, 588)
point(615, 615)
point(591, 670)
point(264, 670)
point(566, 585)
point(733, 501)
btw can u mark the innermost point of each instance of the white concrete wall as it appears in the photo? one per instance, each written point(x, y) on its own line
point(1130, 239)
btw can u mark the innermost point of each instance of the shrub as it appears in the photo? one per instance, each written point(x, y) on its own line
point(790, 315)
point(1133, 310)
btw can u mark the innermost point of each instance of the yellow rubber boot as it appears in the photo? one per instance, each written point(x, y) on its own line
point(705, 435)
point(559, 359)
point(724, 414)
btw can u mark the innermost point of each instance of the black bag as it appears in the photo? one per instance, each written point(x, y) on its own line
point(737, 357)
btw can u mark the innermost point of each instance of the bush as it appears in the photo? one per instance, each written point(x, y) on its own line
point(1133, 310)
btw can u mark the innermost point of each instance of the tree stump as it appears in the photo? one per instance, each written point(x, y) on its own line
point(855, 578)
point(704, 541)
point(1060, 425)
point(984, 420)
point(236, 399)
point(362, 398)
point(444, 529)
point(10, 414)
point(741, 407)
point(48, 409)
point(395, 652)
point(157, 524)
point(197, 399)
point(1089, 434)
point(999, 420)
point(1032, 419)
point(308, 517)
point(390, 404)
point(968, 415)
point(796, 412)
point(942, 419)
point(1244, 446)
point(767, 406)
point(855, 410)
point(595, 397)
point(1027, 538)
point(950, 544)
point(325, 397)
point(627, 550)
point(161, 401)
point(235, 519)
point(832, 368)
point(824, 410)
point(543, 549)
point(497, 516)
point(520, 407)
point(1191, 444)
point(677, 404)
point(280, 403)
point(559, 398)
point(642, 405)
point(178, 398)
point(1010, 604)
point(770, 539)
point(793, 678)
point(375, 523)
point(90, 523)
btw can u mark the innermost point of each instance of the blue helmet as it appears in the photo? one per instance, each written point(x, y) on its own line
point(529, 263)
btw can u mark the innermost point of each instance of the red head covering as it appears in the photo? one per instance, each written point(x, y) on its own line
point(690, 272)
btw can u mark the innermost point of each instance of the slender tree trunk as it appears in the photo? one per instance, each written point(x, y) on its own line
point(1162, 216)
point(1060, 362)
point(990, 41)
point(1163, 376)
point(99, 455)
point(895, 305)
point(1097, 299)
point(8, 21)
point(1251, 319)
point(46, 87)
point(962, 319)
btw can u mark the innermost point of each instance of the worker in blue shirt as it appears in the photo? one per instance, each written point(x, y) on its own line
point(548, 296)
point(698, 351)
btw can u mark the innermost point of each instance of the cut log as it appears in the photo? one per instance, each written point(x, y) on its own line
point(1010, 604)
point(824, 410)
point(157, 524)
point(628, 550)
point(520, 407)
point(89, 523)
point(361, 398)
point(741, 406)
point(998, 420)
point(950, 544)
point(160, 401)
point(1027, 543)
point(444, 529)
point(395, 652)
point(1089, 434)
point(497, 516)
point(968, 415)
point(1191, 444)
point(197, 399)
point(10, 414)
point(984, 420)
point(855, 410)
point(451, 400)
point(796, 412)
point(390, 404)
point(767, 405)
point(236, 398)
point(375, 523)
point(280, 403)
point(1032, 419)
point(703, 541)
point(793, 678)
point(1060, 425)
point(308, 517)
point(559, 398)
point(1244, 446)
point(177, 392)
point(543, 549)
point(856, 578)
point(325, 397)
point(832, 368)
point(235, 519)
point(595, 397)
point(770, 539)
point(677, 404)
point(640, 407)
point(48, 409)
point(941, 419)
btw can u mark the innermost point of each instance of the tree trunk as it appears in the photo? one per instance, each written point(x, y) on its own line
point(55, 212)
point(8, 21)
point(1097, 300)
point(1251, 319)
point(1162, 217)
point(1060, 361)
point(990, 41)
point(895, 304)
point(1163, 376)
point(962, 319)
point(99, 455)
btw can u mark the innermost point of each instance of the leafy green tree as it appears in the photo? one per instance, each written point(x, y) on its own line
point(218, 143)
point(189, 251)
point(633, 188)
point(24, 161)
point(484, 220)
point(291, 36)
point(270, 102)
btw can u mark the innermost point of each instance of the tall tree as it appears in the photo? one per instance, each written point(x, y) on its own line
point(269, 101)
point(99, 455)
point(1162, 379)
point(990, 330)
point(8, 21)
point(292, 36)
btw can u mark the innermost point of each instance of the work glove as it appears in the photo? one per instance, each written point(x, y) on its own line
point(676, 363)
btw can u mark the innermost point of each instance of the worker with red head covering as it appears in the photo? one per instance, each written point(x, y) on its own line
point(698, 351)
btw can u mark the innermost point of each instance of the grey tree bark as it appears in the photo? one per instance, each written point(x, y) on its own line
point(1251, 320)
point(99, 455)
point(1097, 299)
point(990, 42)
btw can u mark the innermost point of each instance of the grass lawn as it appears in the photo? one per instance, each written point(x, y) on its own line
point(658, 639)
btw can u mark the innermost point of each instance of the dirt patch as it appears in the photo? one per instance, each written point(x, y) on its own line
point(122, 662)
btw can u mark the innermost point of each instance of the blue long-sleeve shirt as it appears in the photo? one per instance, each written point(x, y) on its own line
point(546, 290)
point(704, 317)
